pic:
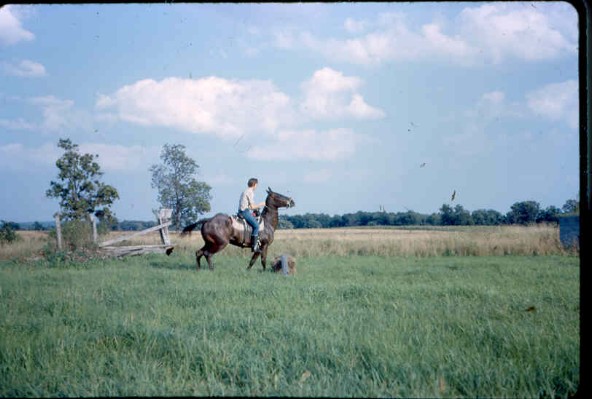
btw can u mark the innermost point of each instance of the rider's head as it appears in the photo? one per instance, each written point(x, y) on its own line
point(252, 182)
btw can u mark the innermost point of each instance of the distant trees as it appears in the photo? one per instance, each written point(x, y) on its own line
point(177, 186)
point(571, 206)
point(78, 186)
point(487, 217)
point(524, 212)
point(134, 225)
point(38, 226)
point(455, 217)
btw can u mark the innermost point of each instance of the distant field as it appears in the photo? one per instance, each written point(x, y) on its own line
point(414, 241)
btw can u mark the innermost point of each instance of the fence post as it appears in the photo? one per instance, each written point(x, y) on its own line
point(58, 230)
point(164, 216)
point(93, 222)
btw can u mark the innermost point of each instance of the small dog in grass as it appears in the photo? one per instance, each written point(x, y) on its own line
point(285, 264)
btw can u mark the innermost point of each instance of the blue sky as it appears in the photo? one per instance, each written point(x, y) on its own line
point(343, 106)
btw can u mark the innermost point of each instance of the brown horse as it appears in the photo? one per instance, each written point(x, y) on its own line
point(221, 230)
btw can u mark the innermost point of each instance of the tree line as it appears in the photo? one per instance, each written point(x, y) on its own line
point(524, 212)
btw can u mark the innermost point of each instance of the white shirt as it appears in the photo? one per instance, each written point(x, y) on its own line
point(246, 199)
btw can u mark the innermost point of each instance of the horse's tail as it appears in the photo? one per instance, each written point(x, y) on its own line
point(188, 229)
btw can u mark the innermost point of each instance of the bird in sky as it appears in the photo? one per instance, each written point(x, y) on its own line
point(453, 195)
point(422, 165)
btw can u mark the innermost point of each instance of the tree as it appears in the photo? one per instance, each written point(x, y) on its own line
point(79, 187)
point(177, 186)
point(37, 226)
point(455, 217)
point(571, 206)
point(549, 215)
point(524, 212)
point(7, 232)
point(487, 217)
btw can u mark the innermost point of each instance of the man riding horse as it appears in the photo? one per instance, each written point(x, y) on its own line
point(245, 206)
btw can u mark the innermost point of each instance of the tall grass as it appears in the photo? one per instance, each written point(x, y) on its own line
point(356, 326)
point(464, 241)
point(408, 241)
point(29, 246)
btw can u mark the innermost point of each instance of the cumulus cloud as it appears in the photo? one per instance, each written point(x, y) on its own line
point(329, 145)
point(489, 33)
point(60, 114)
point(112, 157)
point(233, 109)
point(120, 158)
point(15, 156)
point(11, 30)
point(24, 68)
point(556, 101)
point(330, 94)
point(509, 31)
point(354, 26)
point(226, 108)
point(57, 115)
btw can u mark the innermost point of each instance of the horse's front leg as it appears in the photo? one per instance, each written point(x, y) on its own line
point(253, 260)
point(264, 256)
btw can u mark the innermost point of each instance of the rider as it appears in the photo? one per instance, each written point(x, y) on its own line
point(245, 206)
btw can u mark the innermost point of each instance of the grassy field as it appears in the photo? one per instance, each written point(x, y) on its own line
point(348, 324)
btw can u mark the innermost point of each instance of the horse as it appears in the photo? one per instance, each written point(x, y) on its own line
point(222, 229)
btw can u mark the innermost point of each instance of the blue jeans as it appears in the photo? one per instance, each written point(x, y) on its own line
point(251, 220)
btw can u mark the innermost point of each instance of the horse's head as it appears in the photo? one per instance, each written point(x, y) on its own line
point(278, 200)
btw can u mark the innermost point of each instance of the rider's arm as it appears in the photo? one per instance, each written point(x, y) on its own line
point(259, 205)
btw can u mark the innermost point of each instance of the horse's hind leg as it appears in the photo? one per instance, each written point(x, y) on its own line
point(198, 255)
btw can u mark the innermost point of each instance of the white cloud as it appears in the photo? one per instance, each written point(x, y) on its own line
point(17, 124)
point(11, 31)
point(330, 94)
point(353, 26)
point(16, 156)
point(493, 32)
point(112, 157)
point(57, 115)
point(119, 158)
point(329, 145)
point(60, 115)
point(494, 97)
point(512, 31)
point(234, 109)
point(556, 101)
point(225, 108)
point(25, 68)
point(493, 106)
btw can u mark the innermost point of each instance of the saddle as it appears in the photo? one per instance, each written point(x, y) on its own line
point(240, 223)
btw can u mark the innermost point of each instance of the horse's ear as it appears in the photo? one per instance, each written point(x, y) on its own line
point(269, 190)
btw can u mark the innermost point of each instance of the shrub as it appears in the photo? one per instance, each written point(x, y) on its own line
point(76, 235)
point(7, 233)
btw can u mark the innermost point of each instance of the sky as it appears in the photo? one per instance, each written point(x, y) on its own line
point(342, 106)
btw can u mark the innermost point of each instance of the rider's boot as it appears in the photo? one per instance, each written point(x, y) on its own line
point(255, 244)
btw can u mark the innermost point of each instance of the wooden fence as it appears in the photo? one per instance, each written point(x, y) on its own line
point(108, 247)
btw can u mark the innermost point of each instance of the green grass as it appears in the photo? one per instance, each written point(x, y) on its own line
point(343, 326)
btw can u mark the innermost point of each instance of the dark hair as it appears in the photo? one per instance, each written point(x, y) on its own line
point(252, 181)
